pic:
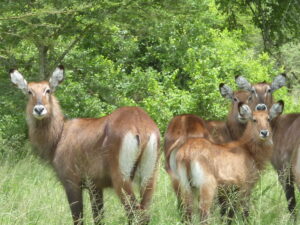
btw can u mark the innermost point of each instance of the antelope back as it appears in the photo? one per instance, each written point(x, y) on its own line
point(180, 129)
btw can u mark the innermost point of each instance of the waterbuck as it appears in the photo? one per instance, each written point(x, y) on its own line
point(93, 153)
point(202, 166)
point(286, 152)
point(187, 126)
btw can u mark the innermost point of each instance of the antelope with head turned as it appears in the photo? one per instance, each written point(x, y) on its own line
point(202, 166)
point(107, 152)
point(286, 156)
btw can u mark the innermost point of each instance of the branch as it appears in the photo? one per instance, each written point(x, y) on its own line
point(75, 41)
point(12, 34)
point(46, 12)
point(61, 28)
point(252, 10)
point(294, 75)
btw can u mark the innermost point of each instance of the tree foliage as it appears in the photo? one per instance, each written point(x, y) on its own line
point(277, 20)
point(165, 56)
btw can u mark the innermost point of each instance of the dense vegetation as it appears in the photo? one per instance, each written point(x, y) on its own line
point(166, 56)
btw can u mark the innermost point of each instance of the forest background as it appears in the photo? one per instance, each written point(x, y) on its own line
point(167, 56)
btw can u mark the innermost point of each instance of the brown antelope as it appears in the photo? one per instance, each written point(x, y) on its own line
point(286, 158)
point(187, 126)
point(202, 166)
point(107, 152)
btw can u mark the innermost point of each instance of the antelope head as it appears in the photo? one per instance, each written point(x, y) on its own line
point(261, 92)
point(235, 97)
point(259, 120)
point(39, 93)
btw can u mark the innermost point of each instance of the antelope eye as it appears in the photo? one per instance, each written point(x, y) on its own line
point(29, 92)
point(269, 91)
point(269, 119)
point(48, 91)
point(254, 120)
point(235, 99)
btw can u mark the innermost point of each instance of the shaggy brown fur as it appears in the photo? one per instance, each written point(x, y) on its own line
point(205, 166)
point(91, 153)
point(187, 126)
point(285, 159)
point(183, 127)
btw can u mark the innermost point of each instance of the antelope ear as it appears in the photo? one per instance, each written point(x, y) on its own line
point(276, 109)
point(261, 107)
point(17, 78)
point(245, 112)
point(243, 83)
point(278, 82)
point(226, 91)
point(57, 77)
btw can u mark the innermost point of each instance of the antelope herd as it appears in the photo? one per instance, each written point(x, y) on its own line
point(203, 158)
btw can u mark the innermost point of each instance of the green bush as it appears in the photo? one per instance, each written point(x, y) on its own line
point(168, 67)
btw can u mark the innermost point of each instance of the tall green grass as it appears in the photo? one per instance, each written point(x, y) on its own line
point(31, 194)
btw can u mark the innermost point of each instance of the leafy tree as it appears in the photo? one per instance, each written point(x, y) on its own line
point(277, 20)
point(165, 56)
point(48, 30)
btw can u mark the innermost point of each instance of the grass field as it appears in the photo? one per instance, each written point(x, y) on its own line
point(31, 194)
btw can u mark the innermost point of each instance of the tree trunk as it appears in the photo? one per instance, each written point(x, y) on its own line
point(43, 51)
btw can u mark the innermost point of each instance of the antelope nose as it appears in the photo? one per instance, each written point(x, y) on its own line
point(261, 107)
point(264, 133)
point(39, 109)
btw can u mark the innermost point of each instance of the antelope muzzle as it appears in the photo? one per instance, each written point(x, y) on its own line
point(39, 111)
